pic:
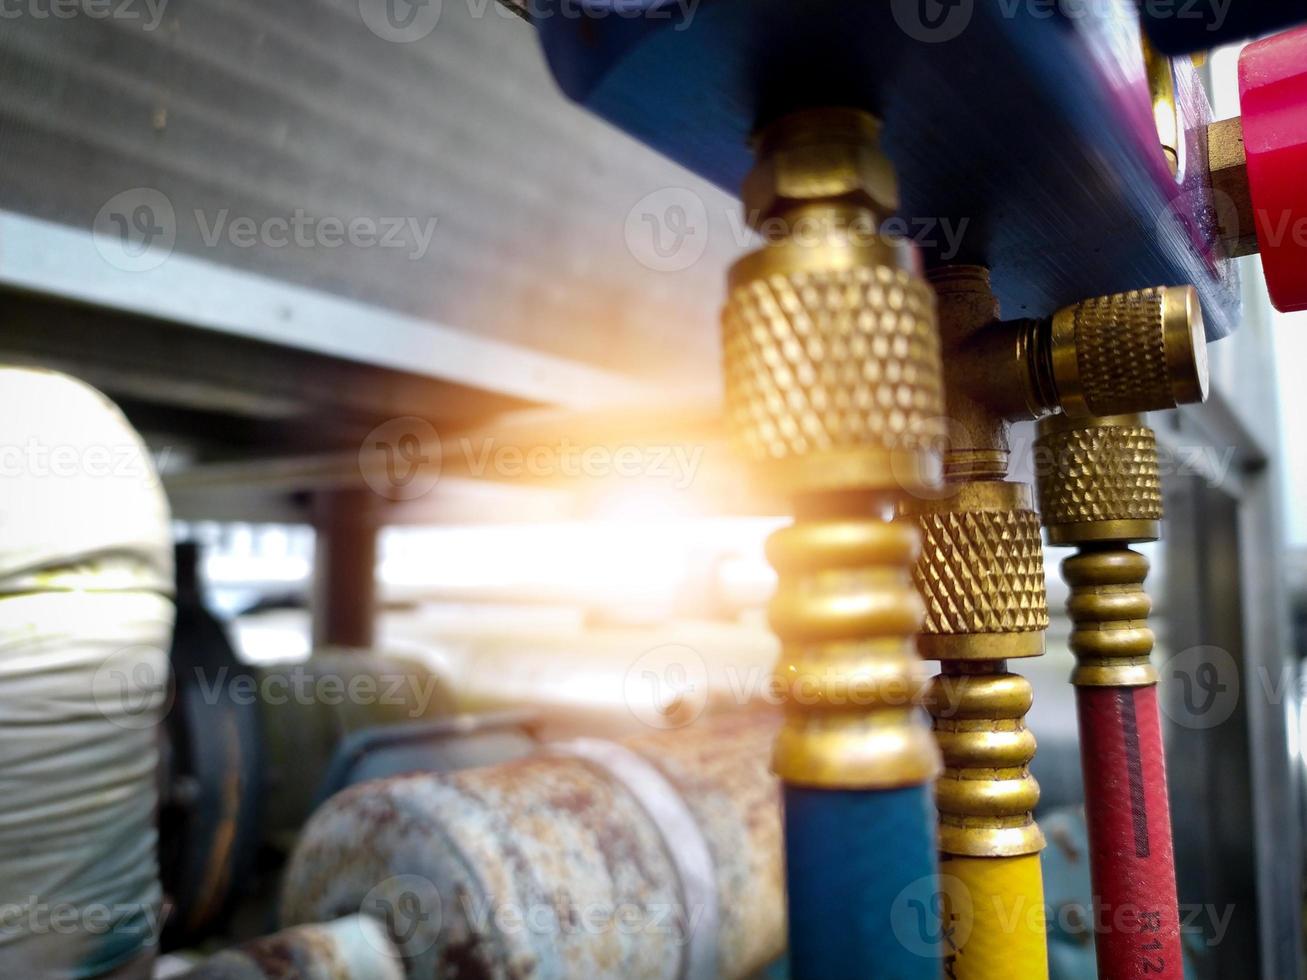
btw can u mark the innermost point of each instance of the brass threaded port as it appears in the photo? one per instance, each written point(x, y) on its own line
point(834, 393)
point(981, 573)
point(1098, 479)
point(985, 795)
point(829, 156)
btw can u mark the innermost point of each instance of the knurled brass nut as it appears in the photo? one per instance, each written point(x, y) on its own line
point(827, 157)
point(1141, 351)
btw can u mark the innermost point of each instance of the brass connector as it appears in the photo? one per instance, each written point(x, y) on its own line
point(1098, 479)
point(986, 793)
point(830, 346)
point(1109, 611)
point(1227, 171)
point(981, 578)
point(1140, 351)
point(833, 391)
point(1132, 352)
point(829, 158)
point(981, 573)
point(1100, 489)
point(1167, 115)
point(845, 611)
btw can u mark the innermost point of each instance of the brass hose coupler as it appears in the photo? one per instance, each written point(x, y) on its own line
point(981, 573)
point(1097, 470)
point(981, 578)
point(833, 392)
point(1099, 489)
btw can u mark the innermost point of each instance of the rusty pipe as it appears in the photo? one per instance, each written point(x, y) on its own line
point(658, 857)
point(353, 948)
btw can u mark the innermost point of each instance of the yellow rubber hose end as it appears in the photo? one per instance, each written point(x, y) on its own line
point(995, 918)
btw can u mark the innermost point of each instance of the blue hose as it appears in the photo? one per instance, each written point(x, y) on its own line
point(861, 873)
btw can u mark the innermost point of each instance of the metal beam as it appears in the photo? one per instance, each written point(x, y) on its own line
point(53, 260)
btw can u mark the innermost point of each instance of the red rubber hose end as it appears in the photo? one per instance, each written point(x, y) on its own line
point(1273, 97)
point(1131, 862)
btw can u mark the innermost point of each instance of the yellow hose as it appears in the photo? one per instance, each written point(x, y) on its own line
point(994, 911)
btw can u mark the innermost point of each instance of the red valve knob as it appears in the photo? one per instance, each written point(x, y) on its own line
point(1273, 96)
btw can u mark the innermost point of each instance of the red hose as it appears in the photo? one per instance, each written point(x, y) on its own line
point(1136, 922)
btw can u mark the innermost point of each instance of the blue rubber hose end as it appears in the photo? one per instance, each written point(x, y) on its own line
point(862, 879)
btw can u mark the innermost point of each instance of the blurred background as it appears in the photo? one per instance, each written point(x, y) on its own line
point(427, 360)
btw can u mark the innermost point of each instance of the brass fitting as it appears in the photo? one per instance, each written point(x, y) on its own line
point(1167, 115)
point(1227, 170)
point(981, 571)
point(986, 793)
point(845, 611)
point(823, 157)
point(1098, 479)
point(981, 577)
point(1099, 488)
point(1140, 351)
point(833, 391)
point(830, 347)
